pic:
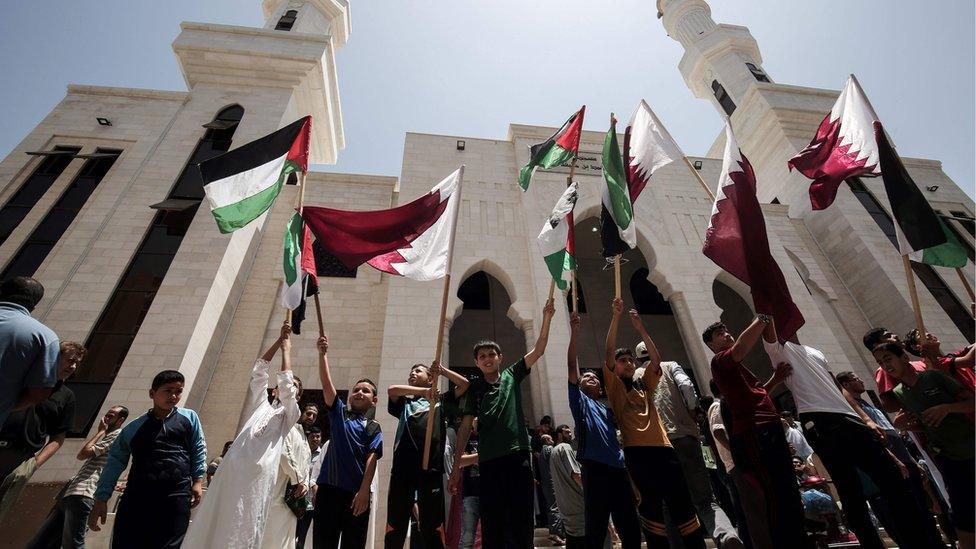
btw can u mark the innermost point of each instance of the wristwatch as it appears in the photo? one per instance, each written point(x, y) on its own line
point(765, 319)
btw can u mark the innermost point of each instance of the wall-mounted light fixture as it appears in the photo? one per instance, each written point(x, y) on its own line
point(698, 164)
point(932, 188)
point(460, 145)
point(102, 121)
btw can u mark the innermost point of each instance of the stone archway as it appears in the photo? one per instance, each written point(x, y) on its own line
point(637, 291)
point(484, 315)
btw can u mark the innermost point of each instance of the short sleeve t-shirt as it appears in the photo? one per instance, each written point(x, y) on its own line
point(354, 437)
point(28, 355)
point(633, 407)
point(811, 383)
point(498, 406)
point(412, 411)
point(34, 427)
point(886, 383)
point(471, 475)
point(955, 437)
point(965, 376)
point(84, 482)
point(596, 430)
point(748, 402)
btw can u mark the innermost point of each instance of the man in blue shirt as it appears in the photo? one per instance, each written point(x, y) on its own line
point(28, 349)
point(169, 461)
point(343, 498)
point(606, 487)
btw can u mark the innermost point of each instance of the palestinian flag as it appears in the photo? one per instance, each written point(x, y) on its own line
point(560, 148)
point(557, 241)
point(617, 231)
point(242, 184)
point(298, 263)
point(922, 236)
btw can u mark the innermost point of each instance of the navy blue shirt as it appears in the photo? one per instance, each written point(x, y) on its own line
point(596, 430)
point(167, 456)
point(354, 437)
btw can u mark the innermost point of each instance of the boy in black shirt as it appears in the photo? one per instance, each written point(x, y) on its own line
point(169, 461)
point(410, 403)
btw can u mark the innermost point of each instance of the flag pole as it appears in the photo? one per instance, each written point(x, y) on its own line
point(572, 288)
point(965, 282)
point(914, 295)
point(616, 276)
point(699, 177)
point(301, 200)
point(439, 345)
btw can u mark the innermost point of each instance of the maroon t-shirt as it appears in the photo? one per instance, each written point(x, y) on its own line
point(747, 400)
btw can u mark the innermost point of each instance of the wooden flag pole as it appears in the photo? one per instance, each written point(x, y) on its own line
point(572, 288)
point(914, 294)
point(965, 282)
point(439, 346)
point(428, 435)
point(699, 177)
point(318, 313)
point(616, 276)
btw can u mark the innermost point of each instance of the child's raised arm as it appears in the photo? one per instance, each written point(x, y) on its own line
point(460, 382)
point(540, 344)
point(616, 307)
point(571, 359)
point(328, 389)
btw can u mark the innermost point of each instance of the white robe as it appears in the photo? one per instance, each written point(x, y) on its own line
point(234, 510)
point(294, 467)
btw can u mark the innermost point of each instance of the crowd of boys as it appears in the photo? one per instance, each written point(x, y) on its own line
point(632, 471)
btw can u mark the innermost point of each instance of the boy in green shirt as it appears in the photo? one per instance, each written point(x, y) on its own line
point(504, 454)
point(933, 402)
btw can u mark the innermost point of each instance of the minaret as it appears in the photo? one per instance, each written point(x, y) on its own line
point(720, 61)
point(321, 17)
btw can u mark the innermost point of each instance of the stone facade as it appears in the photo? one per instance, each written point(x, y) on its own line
point(217, 307)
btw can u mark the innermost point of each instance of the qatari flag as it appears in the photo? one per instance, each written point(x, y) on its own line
point(843, 147)
point(412, 240)
point(736, 241)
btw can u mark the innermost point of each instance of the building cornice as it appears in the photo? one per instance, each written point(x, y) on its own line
point(128, 93)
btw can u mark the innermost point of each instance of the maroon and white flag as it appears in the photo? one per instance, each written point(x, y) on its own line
point(843, 147)
point(736, 241)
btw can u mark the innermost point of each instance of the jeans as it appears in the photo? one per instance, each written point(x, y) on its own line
point(714, 520)
point(65, 524)
point(469, 520)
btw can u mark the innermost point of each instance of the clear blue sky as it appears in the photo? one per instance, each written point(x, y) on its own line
point(469, 67)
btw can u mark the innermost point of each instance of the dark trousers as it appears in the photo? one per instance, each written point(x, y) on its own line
point(148, 521)
point(506, 502)
point(65, 525)
point(607, 493)
point(845, 444)
point(959, 480)
point(334, 520)
point(656, 472)
point(301, 531)
point(575, 542)
point(765, 467)
point(407, 482)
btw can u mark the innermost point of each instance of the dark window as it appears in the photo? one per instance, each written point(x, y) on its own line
point(327, 264)
point(475, 292)
point(52, 227)
point(647, 299)
point(124, 312)
point(960, 224)
point(723, 98)
point(33, 188)
point(287, 20)
point(958, 313)
point(758, 73)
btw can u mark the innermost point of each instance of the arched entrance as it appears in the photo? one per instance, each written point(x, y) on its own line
point(484, 316)
point(597, 288)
